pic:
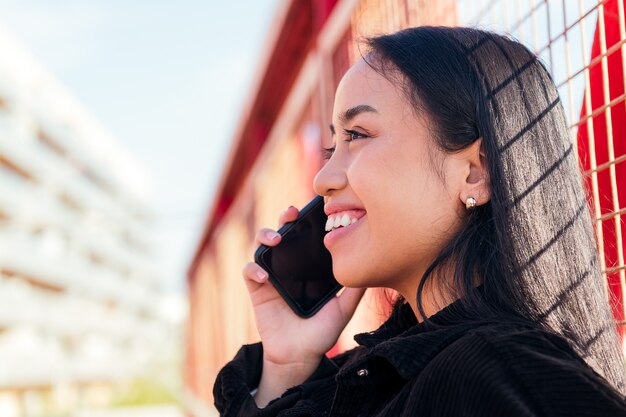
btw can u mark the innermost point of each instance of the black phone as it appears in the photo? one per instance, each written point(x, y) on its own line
point(300, 267)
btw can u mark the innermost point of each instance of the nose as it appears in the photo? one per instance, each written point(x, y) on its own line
point(331, 177)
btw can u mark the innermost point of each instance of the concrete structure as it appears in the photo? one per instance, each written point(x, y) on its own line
point(77, 285)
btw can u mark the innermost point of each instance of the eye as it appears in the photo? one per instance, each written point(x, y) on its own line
point(350, 136)
point(353, 134)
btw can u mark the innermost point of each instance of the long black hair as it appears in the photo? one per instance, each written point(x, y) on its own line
point(532, 244)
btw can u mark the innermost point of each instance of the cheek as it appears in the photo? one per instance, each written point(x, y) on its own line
point(404, 199)
point(396, 184)
point(392, 194)
point(409, 215)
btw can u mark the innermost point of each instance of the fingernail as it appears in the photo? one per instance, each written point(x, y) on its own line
point(271, 235)
point(262, 275)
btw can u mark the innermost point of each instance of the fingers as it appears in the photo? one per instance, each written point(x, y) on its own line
point(349, 300)
point(267, 237)
point(288, 215)
point(254, 276)
point(270, 237)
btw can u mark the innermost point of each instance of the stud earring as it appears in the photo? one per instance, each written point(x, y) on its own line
point(470, 203)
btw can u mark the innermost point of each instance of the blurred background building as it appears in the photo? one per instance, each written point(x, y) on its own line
point(275, 149)
point(79, 295)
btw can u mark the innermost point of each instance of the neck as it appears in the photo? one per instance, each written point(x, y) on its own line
point(434, 298)
point(432, 301)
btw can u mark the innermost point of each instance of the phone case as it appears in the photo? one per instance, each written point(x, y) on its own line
point(262, 250)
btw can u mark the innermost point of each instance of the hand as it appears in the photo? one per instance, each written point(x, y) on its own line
point(292, 346)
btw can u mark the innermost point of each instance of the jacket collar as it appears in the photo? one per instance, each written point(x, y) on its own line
point(409, 345)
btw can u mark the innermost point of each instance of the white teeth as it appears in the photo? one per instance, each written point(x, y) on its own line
point(337, 222)
point(329, 224)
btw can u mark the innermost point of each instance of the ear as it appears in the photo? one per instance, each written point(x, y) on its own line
point(476, 182)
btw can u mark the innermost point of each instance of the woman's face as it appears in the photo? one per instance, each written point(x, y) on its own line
point(386, 172)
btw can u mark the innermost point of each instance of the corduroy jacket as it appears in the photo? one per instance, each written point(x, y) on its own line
point(457, 369)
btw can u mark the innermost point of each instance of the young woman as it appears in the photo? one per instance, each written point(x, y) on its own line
point(451, 149)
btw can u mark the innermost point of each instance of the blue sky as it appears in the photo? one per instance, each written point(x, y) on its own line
point(168, 79)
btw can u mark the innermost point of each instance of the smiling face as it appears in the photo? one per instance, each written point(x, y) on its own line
point(398, 194)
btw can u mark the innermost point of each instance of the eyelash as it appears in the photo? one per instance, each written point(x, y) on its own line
point(328, 152)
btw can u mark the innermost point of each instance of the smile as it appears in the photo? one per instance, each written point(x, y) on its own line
point(338, 232)
point(343, 219)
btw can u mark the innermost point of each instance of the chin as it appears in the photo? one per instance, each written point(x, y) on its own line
point(349, 276)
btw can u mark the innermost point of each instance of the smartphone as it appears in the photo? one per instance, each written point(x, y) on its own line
point(300, 267)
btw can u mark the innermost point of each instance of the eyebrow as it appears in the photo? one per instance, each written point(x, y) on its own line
point(351, 113)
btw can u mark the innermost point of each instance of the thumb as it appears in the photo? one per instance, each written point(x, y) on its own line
point(349, 300)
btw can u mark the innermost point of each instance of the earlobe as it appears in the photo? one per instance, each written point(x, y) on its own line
point(476, 193)
point(477, 196)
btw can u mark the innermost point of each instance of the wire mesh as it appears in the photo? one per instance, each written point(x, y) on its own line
point(582, 43)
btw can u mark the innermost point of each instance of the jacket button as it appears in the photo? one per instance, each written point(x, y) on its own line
point(362, 372)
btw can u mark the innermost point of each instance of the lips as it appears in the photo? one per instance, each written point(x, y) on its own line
point(343, 218)
point(338, 233)
point(335, 207)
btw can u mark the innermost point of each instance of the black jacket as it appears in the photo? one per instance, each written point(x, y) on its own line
point(461, 369)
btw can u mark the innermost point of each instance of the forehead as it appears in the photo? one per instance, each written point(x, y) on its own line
point(363, 85)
